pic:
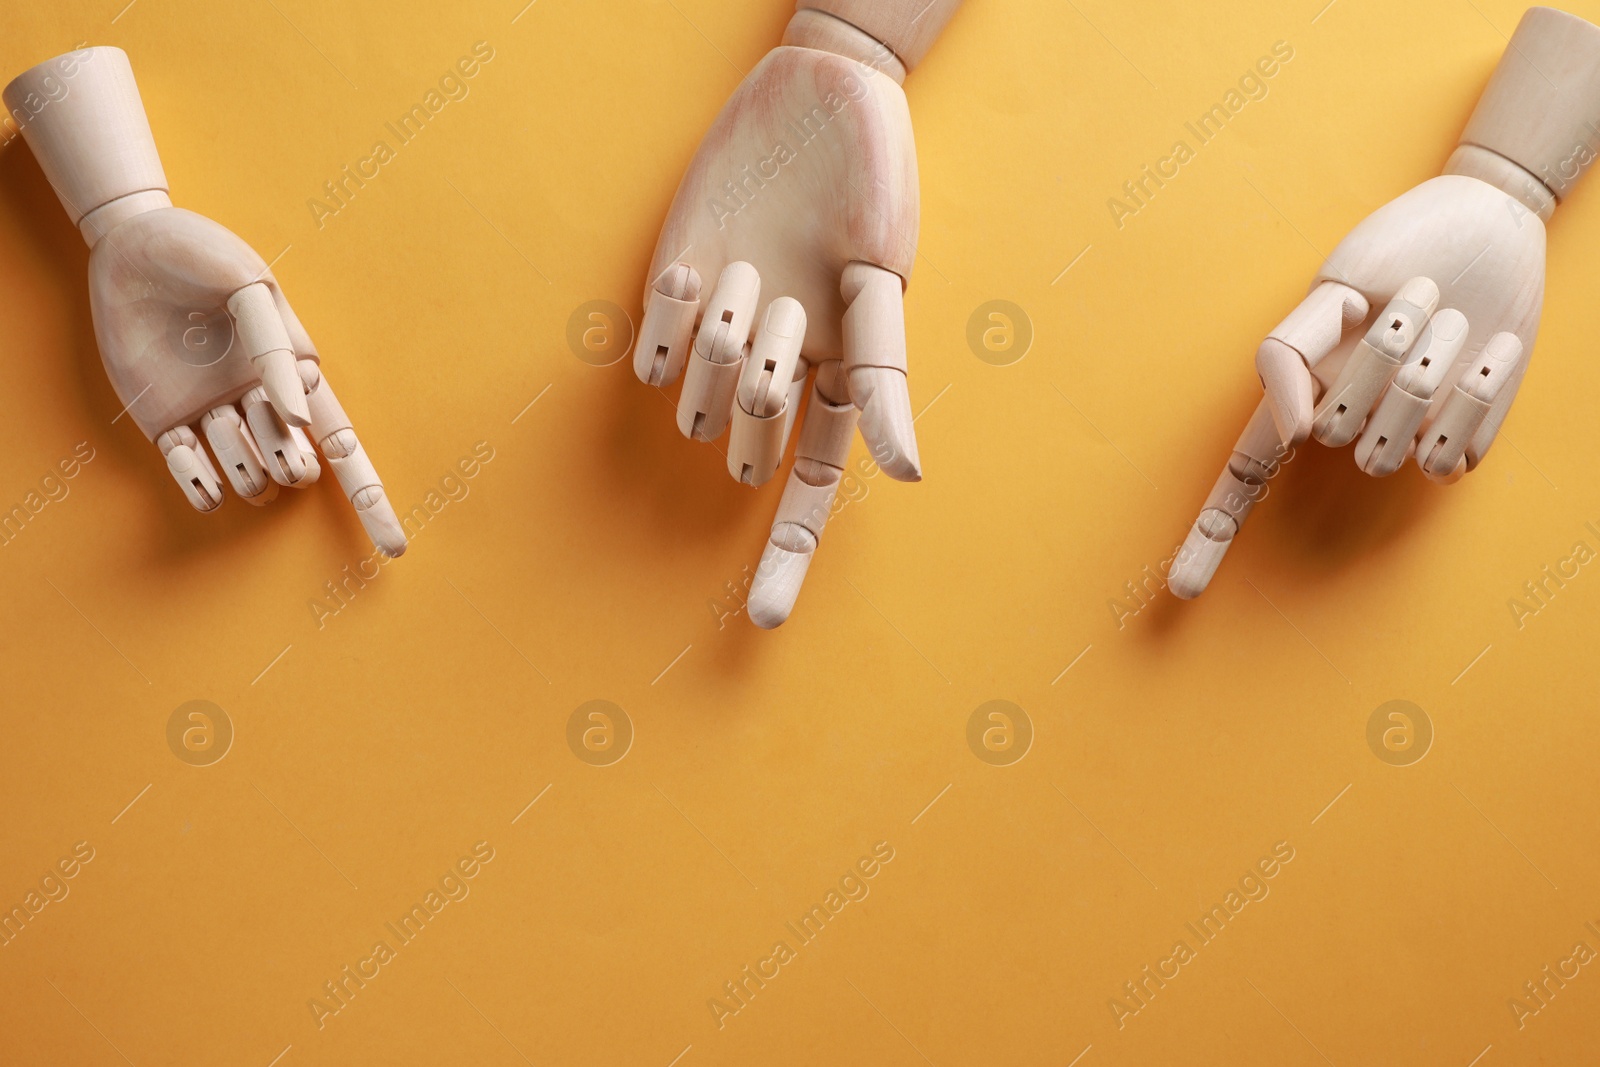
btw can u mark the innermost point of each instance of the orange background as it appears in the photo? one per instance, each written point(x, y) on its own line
point(372, 752)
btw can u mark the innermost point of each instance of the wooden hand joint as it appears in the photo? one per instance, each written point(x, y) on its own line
point(904, 29)
point(1540, 112)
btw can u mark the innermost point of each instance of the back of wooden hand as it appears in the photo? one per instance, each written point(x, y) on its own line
point(787, 249)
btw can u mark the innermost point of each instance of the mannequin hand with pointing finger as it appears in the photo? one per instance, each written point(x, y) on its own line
point(1418, 332)
point(789, 245)
point(192, 327)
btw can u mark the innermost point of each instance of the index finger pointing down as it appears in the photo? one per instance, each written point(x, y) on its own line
point(331, 429)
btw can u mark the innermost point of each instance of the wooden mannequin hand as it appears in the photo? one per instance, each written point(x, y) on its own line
point(795, 229)
point(1412, 344)
point(192, 327)
point(1470, 259)
point(1446, 285)
point(196, 334)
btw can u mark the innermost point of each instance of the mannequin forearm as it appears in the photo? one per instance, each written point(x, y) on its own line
point(82, 116)
point(907, 27)
point(1537, 128)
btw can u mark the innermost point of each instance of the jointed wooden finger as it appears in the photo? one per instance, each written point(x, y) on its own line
point(824, 446)
point(1373, 364)
point(1442, 449)
point(706, 403)
point(1300, 342)
point(1392, 429)
point(668, 325)
point(236, 453)
point(761, 412)
point(191, 467)
point(875, 359)
point(797, 396)
point(266, 342)
point(331, 429)
point(1256, 460)
point(285, 451)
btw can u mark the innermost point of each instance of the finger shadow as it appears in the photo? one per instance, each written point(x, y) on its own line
point(674, 509)
point(1334, 518)
point(684, 484)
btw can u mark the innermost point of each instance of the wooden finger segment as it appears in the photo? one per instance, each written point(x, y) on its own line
point(1319, 323)
point(796, 532)
point(668, 327)
point(266, 342)
point(1443, 447)
point(820, 456)
point(1257, 457)
point(1373, 364)
point(808, 505)
point(236, 454)
point(733, 304)
point(347, 458)
point(1299, 343)
point(875, 359)
point(875, 319)
point(761, 418)
point(191, 468)
point(286, 462)
point(797, 395)
point(1292, 391)
point(1392, 430)
point(352, 467)
point(825, 439)
point(828, 431)
point(706, 404)
point(313, 469)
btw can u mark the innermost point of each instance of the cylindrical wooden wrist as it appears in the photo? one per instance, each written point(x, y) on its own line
point(1541, 110)
point(82, 116)
point(907, 27)
point(826, 33)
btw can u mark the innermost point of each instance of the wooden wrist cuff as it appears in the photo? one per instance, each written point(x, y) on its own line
point(907, 27)
point(1541, 110)
point(82, 116)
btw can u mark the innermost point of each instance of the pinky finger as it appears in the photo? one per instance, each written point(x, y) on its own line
point(1442, 448)
point(191, 468)
point(331, 428)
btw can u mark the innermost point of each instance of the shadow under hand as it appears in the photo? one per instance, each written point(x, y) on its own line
point(1334, 518)
point(51, 246)
point(673, 508)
